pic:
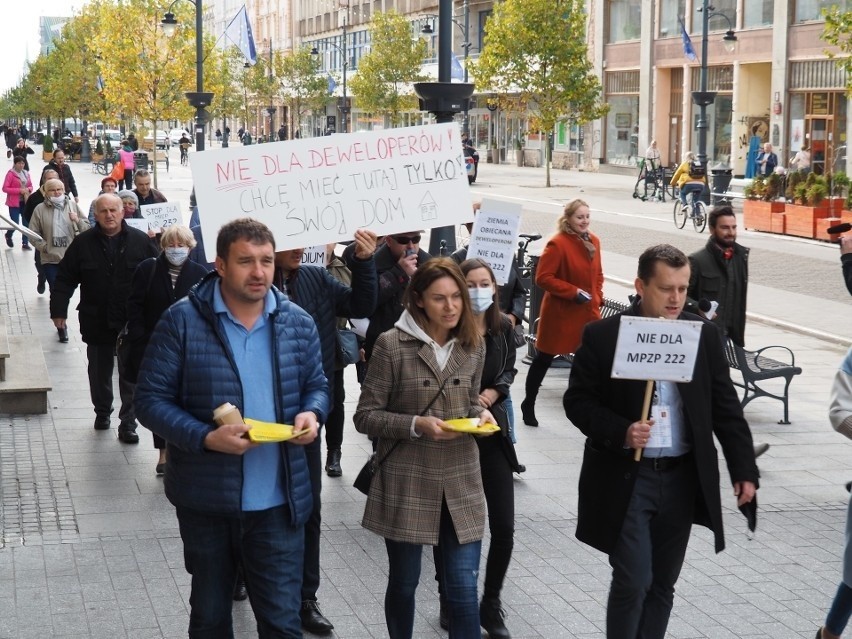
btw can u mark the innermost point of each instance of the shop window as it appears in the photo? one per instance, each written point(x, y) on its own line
point(812, 9)
point(717, 22)
point(670, 11)
point(758, 13)
point(622, 129)
point(624, 18)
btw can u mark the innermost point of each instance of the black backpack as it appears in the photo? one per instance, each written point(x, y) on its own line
point(697, 170)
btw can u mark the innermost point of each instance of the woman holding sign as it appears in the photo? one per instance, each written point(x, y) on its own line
point(571, 275)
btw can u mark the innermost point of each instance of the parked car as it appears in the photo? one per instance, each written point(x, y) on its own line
point(163, 140)
point(113, 135)
point(176, 134)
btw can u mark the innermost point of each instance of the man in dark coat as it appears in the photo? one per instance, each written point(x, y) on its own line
point(62, 169)
point(325, 299)
point(144, 192)
point(846, 260)
point(641, 513)
point(719, 273)
point(101, 262)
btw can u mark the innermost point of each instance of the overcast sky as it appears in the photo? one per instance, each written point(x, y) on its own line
point(22, 39)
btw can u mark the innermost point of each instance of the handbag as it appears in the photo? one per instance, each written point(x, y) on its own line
point(348, 350)
point(519, 336)
point(117, 172)
point(365, 475)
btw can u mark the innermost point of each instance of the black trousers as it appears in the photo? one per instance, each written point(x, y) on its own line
point(334, 424)
point(101, 362)
point(311, 567)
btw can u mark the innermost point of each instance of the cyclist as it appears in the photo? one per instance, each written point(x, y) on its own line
point(184, 144)
point(690, 177)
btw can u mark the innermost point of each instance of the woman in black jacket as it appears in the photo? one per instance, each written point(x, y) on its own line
point(497, 458)
point(157, 284)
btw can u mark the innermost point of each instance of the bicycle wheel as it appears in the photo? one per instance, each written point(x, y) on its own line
point(102, 167)
point(699, 220)
point(679, 214)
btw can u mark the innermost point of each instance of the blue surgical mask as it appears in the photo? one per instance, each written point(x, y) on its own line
point(481, 299)
point(177, 255)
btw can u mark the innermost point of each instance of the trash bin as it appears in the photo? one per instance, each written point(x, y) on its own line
point(721, 182)
point(141, 158)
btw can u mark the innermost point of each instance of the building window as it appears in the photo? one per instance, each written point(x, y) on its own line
point(622, 122)
point(812, 9)
point(623, 20)
point(480, 31)
point(758, 13)
point(727, 8)
point(670, 12)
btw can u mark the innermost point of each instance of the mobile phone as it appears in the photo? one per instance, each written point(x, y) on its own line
point(584, 296)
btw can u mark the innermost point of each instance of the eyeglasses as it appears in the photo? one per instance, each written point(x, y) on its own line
point(406, 239)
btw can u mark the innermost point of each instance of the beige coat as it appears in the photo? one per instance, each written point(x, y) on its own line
point(42, 223)
point(405, 497)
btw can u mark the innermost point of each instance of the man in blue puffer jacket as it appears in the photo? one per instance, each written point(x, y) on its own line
point(236, 339)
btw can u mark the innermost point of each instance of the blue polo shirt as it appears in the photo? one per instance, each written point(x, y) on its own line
point(263, 472)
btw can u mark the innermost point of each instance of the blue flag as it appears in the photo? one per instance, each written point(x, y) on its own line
point(688, 49)
point(457, 72)
point(332, 85)
point(239, 33)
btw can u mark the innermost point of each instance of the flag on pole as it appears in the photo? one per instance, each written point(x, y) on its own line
point(239, 33)
point(457, 72)
point(99, 83)
point(332, 85)
point(688, 49)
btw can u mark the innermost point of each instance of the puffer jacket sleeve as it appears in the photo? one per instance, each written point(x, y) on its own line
point(312, 380)
point(156, 399)
point(359, 299)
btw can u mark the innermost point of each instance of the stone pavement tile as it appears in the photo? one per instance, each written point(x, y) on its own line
point(98, 592)
point(114, 522)
point(64, 585)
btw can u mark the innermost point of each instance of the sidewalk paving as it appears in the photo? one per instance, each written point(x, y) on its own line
point(90, 546)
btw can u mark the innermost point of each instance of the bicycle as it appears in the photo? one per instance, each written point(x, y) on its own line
point(184, 154)
point(695, 210)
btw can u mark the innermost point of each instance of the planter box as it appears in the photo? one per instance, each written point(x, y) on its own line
point(835, 206)
point(822, 229)
point(801, 220)
point(846, 216)
point(778, 223)
point(47, 156)
point(757, 214)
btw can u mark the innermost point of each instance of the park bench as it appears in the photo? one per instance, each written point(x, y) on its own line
point(755, 367)
point(609, 308)
point(159, 155)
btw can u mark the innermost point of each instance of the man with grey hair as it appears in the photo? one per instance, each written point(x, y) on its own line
point(144, 192)
point(101, 262)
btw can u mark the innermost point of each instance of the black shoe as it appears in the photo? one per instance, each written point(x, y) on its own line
point(240, 592)
point(40, 285)
point(26, 247)
point(759, 449)
point(528, 412)
point(332, 463)
point(102, 422)
point(127, 434)
point(520, 468)
point(63, 335)
point(491, 617)
point(313, 620)
point(9, 242)
point(161, 470)
point(444, 616)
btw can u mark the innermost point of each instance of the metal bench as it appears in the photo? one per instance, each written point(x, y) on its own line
point(755, 367)
point(609, 308)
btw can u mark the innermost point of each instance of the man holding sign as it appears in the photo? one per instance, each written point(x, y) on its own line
point(641, 512)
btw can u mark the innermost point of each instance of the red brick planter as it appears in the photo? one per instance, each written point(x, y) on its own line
point(801, 220)
point(778, 223)
point(757, 214)
point(822, 229)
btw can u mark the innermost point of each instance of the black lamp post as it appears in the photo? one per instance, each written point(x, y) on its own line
point(197, 99)
point(344, 51)
point(703, 97)
point(465, 30)
point(271, 109)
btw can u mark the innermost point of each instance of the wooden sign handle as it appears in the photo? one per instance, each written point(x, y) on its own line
point(646, 409)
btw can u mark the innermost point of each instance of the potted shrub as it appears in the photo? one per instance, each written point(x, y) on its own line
point(98, 154)
point(47, 148)
point(811, 205)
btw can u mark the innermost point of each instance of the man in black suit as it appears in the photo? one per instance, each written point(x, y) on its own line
point(641, 513)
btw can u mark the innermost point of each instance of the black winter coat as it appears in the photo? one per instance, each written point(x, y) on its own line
point(103, 276)
point(846, 260)
point(498, 372)
point(325, 299)
point(65, 175)
point(151, 293)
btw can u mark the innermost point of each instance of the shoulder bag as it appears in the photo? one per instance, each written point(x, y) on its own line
point(365, 476)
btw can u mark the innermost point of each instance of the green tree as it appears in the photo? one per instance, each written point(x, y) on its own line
point(536, 51)
point(838, 33)
point(302, 88)
point(385, 75)
point(226, 74)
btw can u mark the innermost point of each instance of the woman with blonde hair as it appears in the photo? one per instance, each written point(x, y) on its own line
point(571, 275)
point(690, 177)
point(427, 489)
point(58, 220)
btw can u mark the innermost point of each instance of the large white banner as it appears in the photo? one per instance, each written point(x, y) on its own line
point(320, 190)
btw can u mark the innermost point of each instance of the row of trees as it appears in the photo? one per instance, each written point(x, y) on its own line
point(113, 58)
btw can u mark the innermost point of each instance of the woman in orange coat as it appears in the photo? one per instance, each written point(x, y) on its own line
point(571, 276)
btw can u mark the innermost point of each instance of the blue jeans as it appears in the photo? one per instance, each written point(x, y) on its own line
point(270, 551)
point(15, 214)
point(690, 187)
point(510, 411)
point(50, 271)
point(459, 573)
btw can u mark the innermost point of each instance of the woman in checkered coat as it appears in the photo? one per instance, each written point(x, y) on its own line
point(428, 487)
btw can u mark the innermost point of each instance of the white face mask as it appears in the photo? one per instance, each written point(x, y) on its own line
point(481, 299)
point(57, 200)
point(178, 255)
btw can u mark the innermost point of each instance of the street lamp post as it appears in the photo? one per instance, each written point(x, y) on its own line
point(197, 99)
point(271, 109)
point(344, 108)
point(702, 98)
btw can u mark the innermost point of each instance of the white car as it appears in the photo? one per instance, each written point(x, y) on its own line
point(163, 140)
point(176, 134)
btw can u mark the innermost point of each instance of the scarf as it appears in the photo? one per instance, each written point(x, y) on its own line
point(23, 176)
point(585, 238)
point(62, 228)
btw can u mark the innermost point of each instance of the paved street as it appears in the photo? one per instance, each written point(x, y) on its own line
point(89, 546)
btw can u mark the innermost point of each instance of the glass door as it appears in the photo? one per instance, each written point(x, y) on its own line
point(817, 133)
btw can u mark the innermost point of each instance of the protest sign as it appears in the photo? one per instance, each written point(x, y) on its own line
point(495, 236)
point(656, 349)
point(314, 255)
point(312, 191)
point(162, 215)
point(137, 223)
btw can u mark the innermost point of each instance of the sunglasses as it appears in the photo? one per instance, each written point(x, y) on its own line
point(406, 239)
